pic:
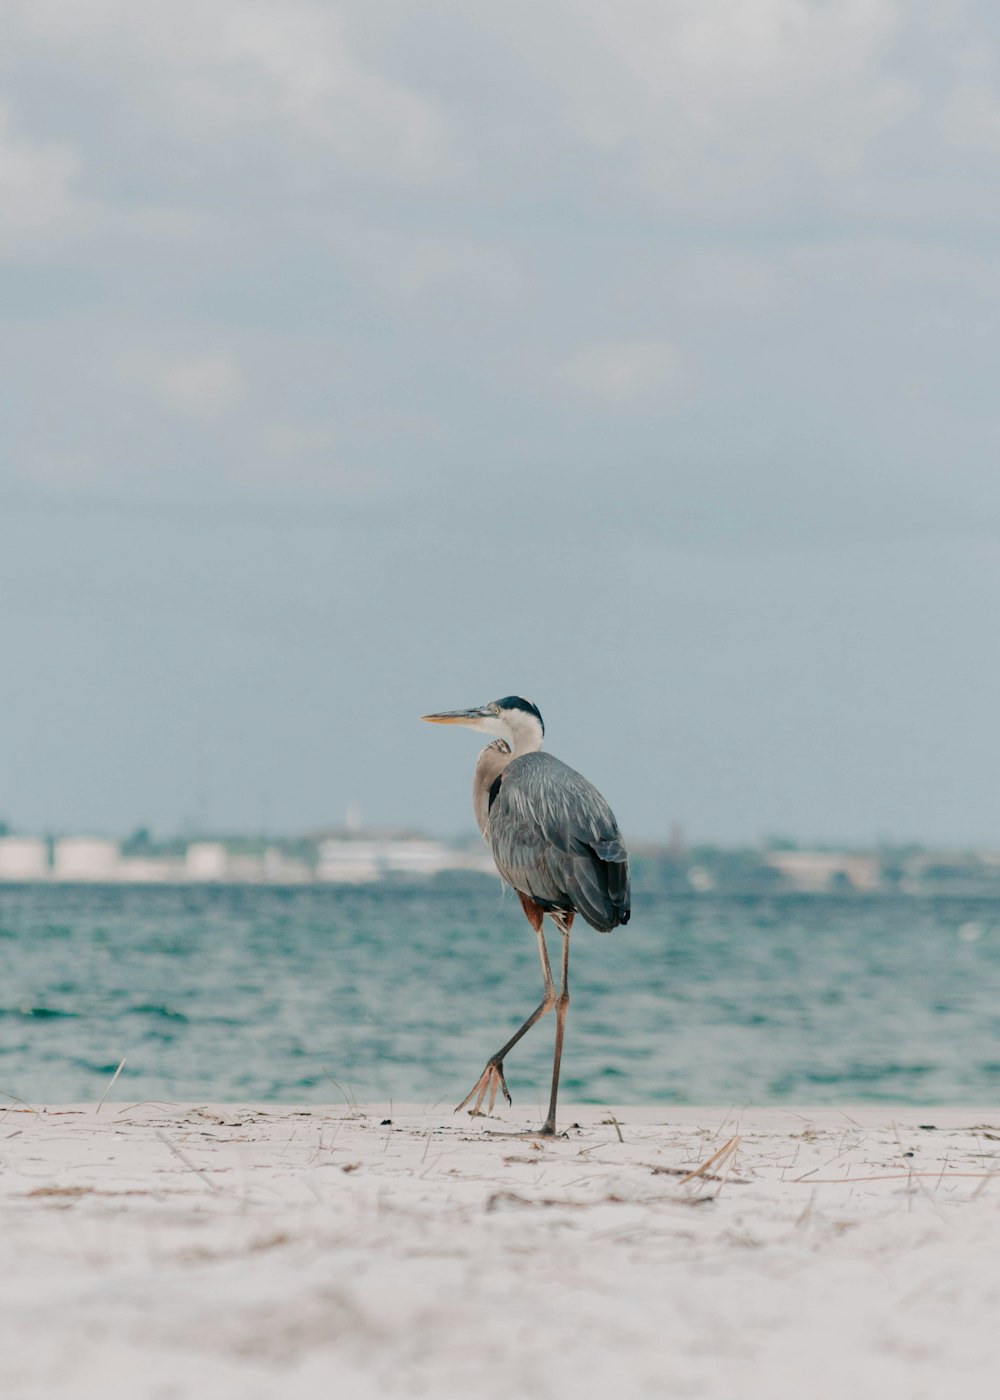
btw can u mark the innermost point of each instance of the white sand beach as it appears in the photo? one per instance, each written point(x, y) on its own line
point(155, 1251)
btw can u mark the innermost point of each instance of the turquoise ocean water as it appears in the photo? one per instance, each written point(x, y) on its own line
point(400, 992)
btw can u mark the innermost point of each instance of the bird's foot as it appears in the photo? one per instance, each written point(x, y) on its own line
point(488, 1082)
point(534, 1133)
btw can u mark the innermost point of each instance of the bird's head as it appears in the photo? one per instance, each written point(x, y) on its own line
point(512, 718)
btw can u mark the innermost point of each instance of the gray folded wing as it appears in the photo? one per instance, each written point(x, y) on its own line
point(555, 839)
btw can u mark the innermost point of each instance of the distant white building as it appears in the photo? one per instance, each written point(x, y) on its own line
point(349, 862)
point(206, 860)
point(86, 858)
point(813, 871)
point(417, 856)
point(359, 861)
point(23, 858)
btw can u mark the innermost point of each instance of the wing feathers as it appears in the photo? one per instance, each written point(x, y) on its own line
point(555, 839)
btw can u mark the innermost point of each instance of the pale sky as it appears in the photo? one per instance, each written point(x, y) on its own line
point(364, 359)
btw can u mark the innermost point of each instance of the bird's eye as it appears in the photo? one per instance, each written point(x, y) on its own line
point(494, 709)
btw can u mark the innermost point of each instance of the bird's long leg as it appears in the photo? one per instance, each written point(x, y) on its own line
point(562, 1006)
point(492, 1078)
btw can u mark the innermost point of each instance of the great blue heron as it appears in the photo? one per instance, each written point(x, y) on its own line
point(556, 841)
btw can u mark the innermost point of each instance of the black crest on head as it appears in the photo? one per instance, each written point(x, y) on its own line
point(517, 702)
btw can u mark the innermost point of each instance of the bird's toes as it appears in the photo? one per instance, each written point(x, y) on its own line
point(489, 1082)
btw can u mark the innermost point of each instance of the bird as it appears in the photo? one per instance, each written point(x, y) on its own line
point(556, 842)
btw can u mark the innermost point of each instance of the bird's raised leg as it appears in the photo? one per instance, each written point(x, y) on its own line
point(492, 1078)
point(562, 1006)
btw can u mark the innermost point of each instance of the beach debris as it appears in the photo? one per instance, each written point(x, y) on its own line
point(728, 1149)
point(187, 1162)
point(705, 1176)
point(114, 1079)
point(349, 1096)
point(508, 1200)
point(608, 1121)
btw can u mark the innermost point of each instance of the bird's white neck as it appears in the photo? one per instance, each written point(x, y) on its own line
point(523, 732)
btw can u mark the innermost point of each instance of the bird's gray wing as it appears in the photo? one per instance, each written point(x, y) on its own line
point(555, 839)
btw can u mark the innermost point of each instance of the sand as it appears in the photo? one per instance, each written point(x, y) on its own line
point(161, 1250)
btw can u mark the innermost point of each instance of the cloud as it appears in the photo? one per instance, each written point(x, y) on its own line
point(379, 128)
point(308, 454)
point(710, 109)
point(411, 266)
point(35, 186)
point(970, 121)
point(237, 91)
point(206, 386)
point(701, 110)
point(720, 106)
point(624, 374)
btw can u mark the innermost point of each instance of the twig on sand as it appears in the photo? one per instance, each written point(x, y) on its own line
point(23, 1102)
point(191, 1166)
point(731, 1112)
point(914, 1176)
point(148, 1103)
point(726, 1150)
point(612, 1119)
point(658, 1170)
point(349, 1096)
point(893, 1176)
point(110, 1086)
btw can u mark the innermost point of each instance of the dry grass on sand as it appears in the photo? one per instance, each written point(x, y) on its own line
point(158, 1251)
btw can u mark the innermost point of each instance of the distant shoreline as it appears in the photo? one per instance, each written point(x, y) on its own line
point(458, 878)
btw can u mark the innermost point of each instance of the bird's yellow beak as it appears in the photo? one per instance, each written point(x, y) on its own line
point(455, 716)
